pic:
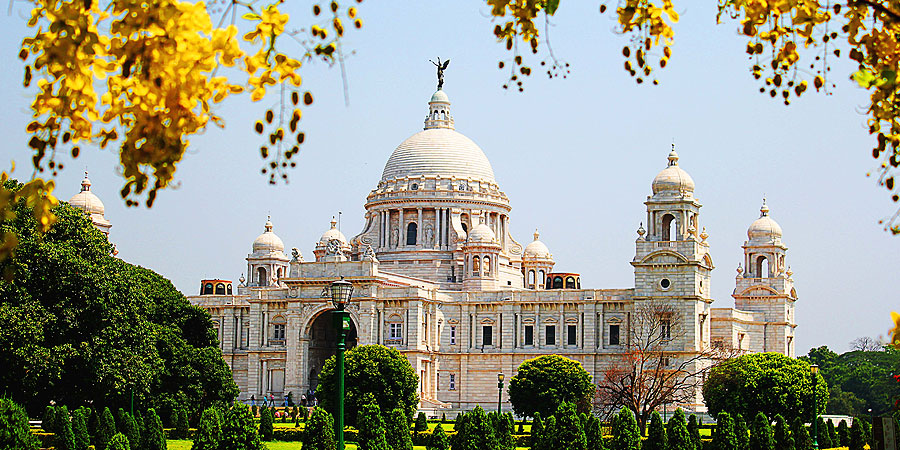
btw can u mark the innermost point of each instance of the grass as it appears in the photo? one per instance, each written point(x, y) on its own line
point(177, 444)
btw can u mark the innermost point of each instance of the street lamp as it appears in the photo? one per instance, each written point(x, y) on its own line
point(340, 294)
point(814, 368)
point(500, 377)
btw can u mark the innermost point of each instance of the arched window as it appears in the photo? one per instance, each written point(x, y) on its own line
point(228, 286)
point(570, 282)
point(411, 231)
point(220, 289)
point(530, 278)
point(668, 227)
point(549, 283)
point(487, 265)
point(762, 267)
point(280, 273)
point(207, 289)
point(578, 283)
point(465, 228)
point(557, 283)
point(476, 265)
point(542, 277)
point(261, 279)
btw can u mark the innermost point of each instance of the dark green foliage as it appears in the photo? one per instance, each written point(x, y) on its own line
point(266, 428)
point(504, 431)
point(371, 428)
point(154, 438)
point(120, 421)
point(295, 413)
point(105, 429)
point(298, 416)
point(693, 427)
point(133, 431)
point(823, 438)
point(64, 438)
point(537, 429)
point(255, 410)
point(677, 432)
point(802, 441)
point(118, 442)
point(741, 432)
point(239, 430)
point(625, 432)
point(832, 434)
point(761, 437)
point(209, 430)
point(546, 439)
point(439, 439)
point(770, 383)
point(476, 432)
point(593, 434)
point(78, 321)
point(319, 433)
point(373, 370)
point(542, 383)
point(397, 430)
point(421, 423)
point(569, 432)
point(783, 440)
point(180, 423)
point(858, 380)
point(48, 422)
point(80, 429)
point(656, 434)
point(724, 437)
point(843, 434)
point(857, 437)
point(15, 434)
point(141, 427)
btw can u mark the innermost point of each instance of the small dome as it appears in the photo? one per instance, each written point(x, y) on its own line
point(86, 200)
point(268, 242)
point(440, 96)
point(673, 178)
point(537, 249)
point(482, 233)
point(333, 233)
point(765, 228)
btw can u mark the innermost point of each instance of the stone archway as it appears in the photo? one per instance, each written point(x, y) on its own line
point(323, 345)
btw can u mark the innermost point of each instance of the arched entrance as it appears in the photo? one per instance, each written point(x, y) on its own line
point(323, 344)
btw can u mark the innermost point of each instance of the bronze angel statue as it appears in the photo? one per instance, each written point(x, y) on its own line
point(441, 67)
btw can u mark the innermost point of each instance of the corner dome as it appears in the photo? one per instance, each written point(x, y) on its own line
point(333, 233)
point(482, 233)
point(765, 228)
point(438, 151)
point(268, 242)
point(537, 249)
point(86, 200)
point(673, 179)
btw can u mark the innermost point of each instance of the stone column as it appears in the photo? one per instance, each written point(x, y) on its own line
point(292, 359)
point(402, 231)
point(420, 230)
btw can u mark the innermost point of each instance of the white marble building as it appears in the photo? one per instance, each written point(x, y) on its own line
point(439, 276)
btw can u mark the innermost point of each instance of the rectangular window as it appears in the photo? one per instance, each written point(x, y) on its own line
point(613, 335)
point(529, 335)
point(665, 329)
point(551, 334)
point(572, 338)
point(278, 332)
point(487, 335)
point(452, 335)
point(452, 381)
point(396, 331)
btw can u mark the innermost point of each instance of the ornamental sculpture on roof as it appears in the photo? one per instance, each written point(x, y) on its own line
point(440, 71)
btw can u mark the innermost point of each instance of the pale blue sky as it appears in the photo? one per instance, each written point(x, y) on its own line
point(575, 156)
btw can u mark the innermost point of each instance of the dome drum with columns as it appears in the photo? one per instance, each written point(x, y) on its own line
point(438, 276)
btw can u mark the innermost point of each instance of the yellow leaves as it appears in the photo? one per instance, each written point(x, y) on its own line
point(895, 332)
point(38, 195)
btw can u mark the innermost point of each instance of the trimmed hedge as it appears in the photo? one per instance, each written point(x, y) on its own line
point(172, 433)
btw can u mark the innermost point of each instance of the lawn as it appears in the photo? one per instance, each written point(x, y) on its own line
point(274, 445)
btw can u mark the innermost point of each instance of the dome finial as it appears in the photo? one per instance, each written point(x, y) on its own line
point(673, 156)
point(86, 182)
point(536, 234)
point(764, 209)
point(333, 223)
point(269, 224)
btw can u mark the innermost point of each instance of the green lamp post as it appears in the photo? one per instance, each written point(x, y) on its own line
point(500, 377)
point(341, 291)
point(814, 368)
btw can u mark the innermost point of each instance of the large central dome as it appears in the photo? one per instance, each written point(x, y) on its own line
point(438, 151)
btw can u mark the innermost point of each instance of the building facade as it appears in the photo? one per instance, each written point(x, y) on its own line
point(439, 276)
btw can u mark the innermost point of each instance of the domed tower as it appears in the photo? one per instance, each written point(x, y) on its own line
point(333, 245)
point(537, 262)
point(91, 205)
point(672, 264)
point(267, 264)
point(481, 252)
point(764, 284)
point(436, 187)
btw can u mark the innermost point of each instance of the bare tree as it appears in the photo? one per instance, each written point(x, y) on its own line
point(866, 344)
point(658, 367)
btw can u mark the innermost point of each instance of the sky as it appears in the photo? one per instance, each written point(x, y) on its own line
point(575, 156)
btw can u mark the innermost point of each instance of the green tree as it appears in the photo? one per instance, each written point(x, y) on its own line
point(625, 432)
point(843, 434)
point(120, 421)
point(118, 442)
point(537, 430)
point(64, 438)
point(181, 423)
point(80, 429)
point(375, 370)
point(824, 439)
point(858, 380)
point(832, 434)
point(857, 436)
point(80, 324)
point(570, 433)
point(594, 434)
point(319, 434)
point(106, 428)
point(48, 422)
point(439, 439)
point(477, 432)
point(761, 437)
point(371, 428)
point(154, 437)
point(677, 432)
point(741, 432)
point(266, 428)
point(397, 430)
point(770, 383)
point(802, 441)
point(693, 427)
point(724, 437)
point(547, 438)
point(132, 431)
point(542, 383)
point(504, 429)
point(421, 423)
point(656, 434)
point(15, 433)
point(209, 430)
point(239, 430)
point(783, 440)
